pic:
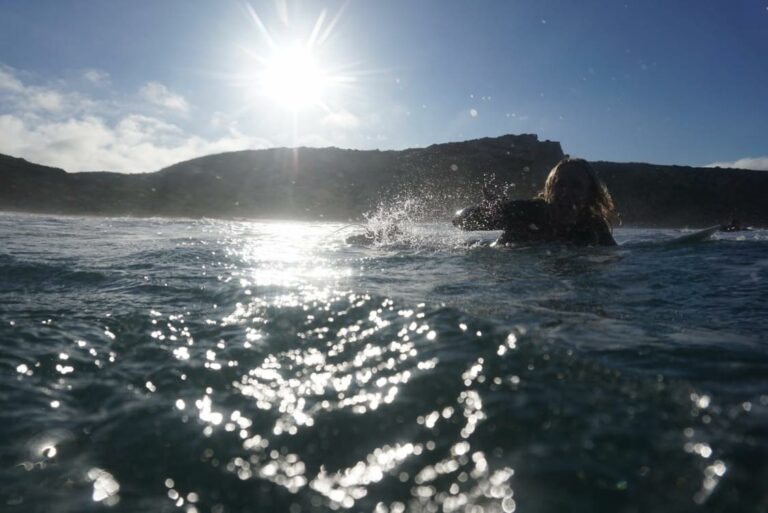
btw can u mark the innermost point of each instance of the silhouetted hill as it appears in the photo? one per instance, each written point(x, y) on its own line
point(648, 194)
point(332, 183)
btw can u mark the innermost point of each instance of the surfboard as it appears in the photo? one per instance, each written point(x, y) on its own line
point(686, 238)
point(697, 236)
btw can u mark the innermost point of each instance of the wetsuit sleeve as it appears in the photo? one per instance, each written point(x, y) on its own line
point(486, 216)
point(520, 215)
point(501, 215)
point(604, 235)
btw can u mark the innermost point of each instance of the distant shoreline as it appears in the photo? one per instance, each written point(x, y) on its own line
point(332, 184)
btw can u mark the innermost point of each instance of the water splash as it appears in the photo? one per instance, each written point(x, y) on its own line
point(404, 222)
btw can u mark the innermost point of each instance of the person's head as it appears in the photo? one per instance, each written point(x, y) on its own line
point(573, 190)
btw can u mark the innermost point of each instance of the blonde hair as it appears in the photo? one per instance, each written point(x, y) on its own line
point(599, 203)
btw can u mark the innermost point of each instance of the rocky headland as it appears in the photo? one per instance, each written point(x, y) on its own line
point(338, 184)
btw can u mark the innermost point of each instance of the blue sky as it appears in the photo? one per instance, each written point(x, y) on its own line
point(133, 86)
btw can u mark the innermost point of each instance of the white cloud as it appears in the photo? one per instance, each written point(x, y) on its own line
point(135, 143)
point(61, 128)
point(8, 82)
point(96, 76)
point(38, 98)
point(158, 94)
point(27, 99)
point(342, 119)
point(756, 163)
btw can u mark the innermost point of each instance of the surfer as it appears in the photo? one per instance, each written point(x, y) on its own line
point(735, 226)
point(574, 207)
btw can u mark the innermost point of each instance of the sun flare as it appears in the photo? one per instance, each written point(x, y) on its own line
point(291, 70)
point(293, 78)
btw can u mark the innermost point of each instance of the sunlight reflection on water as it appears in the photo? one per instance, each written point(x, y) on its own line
point(345, 352)
point(285, 254)
point(274, 362)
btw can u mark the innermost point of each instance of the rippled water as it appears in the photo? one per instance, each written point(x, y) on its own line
point(158, 365)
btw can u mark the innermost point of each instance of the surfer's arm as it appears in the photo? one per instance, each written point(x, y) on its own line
point(486, 216)
point(604, 235)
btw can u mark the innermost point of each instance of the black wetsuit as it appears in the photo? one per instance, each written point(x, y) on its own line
point(531, 221)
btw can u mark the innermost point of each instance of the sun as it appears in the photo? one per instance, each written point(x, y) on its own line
point(286, 70)
point(293, 78)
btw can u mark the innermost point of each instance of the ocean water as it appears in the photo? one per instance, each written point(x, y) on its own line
point(227, 366)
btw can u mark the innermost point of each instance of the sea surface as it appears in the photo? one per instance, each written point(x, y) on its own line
point(154, 365)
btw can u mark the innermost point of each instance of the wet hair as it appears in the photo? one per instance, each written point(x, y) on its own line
point(599, 203)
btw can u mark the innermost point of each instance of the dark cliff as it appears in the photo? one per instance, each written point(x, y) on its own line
point(332, 183)
point(673, 196)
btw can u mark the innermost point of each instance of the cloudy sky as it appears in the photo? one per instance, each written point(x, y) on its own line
point(133, 86)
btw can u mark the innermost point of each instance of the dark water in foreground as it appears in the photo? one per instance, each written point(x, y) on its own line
point(210, 366)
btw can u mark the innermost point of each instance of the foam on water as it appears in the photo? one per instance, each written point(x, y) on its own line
point(158, 365)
